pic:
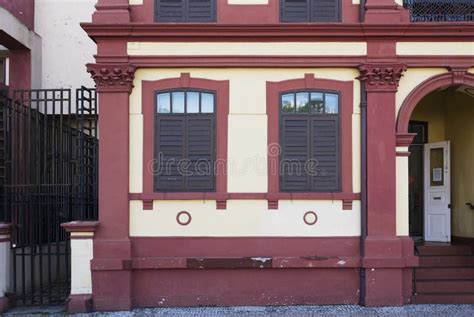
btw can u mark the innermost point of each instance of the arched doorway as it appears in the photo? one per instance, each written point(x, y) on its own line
point(440, 112)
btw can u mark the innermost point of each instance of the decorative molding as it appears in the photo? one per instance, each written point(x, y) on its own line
point(281, 32)
point(402, 154)
point(347, 204)
point(381, 77)
point(221, 204)
point(187, 218)
point(459, 74)
point(80, 226)
point(112, 77)
point(307, 218)
point(404, 139)
point(147, 204)
point(452, 78)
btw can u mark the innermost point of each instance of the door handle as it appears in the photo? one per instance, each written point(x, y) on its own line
point(470, 205)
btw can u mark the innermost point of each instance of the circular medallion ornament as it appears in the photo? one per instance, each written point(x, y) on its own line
point(183, 218)
point(310, 218)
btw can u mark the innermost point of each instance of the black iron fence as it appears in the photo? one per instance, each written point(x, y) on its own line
point(440, 10)
point(48, 174)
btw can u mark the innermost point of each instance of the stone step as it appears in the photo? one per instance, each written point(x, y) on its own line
point(444, 286)
point(446, 261)
point(431, 250)
point(448, 298)
point(441, 273)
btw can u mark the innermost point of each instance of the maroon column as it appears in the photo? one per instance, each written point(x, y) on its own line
point(384, 12)
point(112, 249)
point(385, 255)
point(111, 11)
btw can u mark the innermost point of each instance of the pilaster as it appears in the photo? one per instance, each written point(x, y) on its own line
point(111, 276)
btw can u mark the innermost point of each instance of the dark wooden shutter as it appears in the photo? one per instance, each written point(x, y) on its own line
point(295, 151)
point(170, 149)
point(325, 152)
point(201, 11)
point(200, 152)
point(170, 10)
point(325, 10)
point(185, 10)
point(294, 10)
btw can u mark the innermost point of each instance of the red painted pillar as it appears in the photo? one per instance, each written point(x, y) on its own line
point(384, 12)
point(384, 259)
point(111, 11)
point(111, 275)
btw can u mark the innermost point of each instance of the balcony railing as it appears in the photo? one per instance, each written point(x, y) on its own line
point(440, 10)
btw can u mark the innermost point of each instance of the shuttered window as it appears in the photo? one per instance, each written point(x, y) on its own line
point(185, 10)
point(310, 10)
point(185, 141)
point(310, 142)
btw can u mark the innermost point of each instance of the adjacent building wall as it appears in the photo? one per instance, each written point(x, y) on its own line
point(66, 47)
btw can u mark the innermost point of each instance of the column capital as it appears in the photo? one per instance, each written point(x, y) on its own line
point(112, 77)
point(381, 77)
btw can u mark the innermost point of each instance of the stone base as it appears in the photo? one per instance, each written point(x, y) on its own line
point(79, 303)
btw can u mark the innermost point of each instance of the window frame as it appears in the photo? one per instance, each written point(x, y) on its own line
point(310, 18)
point(185, 12)
point(309, 82)
point(310, 149)
point(148, 97)
point(185, 115)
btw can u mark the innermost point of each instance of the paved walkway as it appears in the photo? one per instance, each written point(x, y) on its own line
point(279, 311)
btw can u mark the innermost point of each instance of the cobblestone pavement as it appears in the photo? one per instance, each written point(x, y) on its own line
point(279, 311)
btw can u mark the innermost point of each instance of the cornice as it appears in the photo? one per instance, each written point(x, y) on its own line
point(282, 32)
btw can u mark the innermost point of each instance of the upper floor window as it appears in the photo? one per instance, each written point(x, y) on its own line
point(185, 141)
point(310, 142)
point(185, 10)
point(310, 10)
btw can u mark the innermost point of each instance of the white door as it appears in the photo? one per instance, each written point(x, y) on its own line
point(437, 192)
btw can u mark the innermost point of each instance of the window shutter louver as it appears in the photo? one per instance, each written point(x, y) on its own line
point(185, 10)
point(294, 10)
point(170, 10)
point(200, 153)
point(295, 143)
point(325, 10)
point(201, 11)
point(169, 151)
point(325, 152)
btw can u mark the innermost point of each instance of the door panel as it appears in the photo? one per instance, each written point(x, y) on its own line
point(437, 192)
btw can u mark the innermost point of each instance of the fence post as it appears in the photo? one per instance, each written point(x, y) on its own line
point(82, 236)
point(4, 265)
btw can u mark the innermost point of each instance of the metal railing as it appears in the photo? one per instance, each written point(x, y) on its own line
point(440, 10)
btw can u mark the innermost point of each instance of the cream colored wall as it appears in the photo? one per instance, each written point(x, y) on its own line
point(247, 49)
point(81, 255)
point(431, 109)
point(435, 48)
point(247, 163)
point(402, 207)
point(244, 218)
point(412, 78)
point(460, 130)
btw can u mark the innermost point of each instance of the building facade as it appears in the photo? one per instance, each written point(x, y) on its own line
point(258, 153)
